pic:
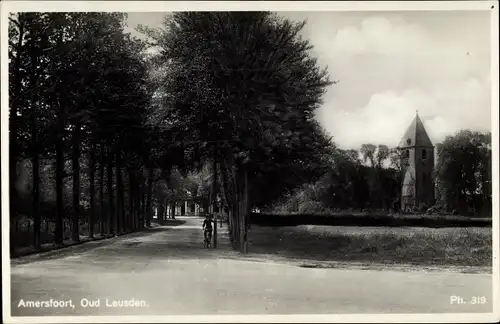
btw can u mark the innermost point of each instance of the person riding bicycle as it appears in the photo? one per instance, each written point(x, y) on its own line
point(207, 227)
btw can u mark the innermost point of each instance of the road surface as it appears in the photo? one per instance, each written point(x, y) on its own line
point(166, 271)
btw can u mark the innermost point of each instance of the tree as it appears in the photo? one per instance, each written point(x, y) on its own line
point(369, 152)
point(242, 89)
point(463, 171)
point(79, 101)
point(27, 45)
point(17, 28)
point(396, 158)
point(377, 157)
point(33, 75)
point(383, 154)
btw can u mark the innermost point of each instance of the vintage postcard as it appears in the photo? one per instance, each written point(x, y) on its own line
point(241, 161)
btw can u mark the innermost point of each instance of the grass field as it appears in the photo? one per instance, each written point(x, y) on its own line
point(467, 247)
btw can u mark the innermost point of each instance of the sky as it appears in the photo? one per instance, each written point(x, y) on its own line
point(391, 64)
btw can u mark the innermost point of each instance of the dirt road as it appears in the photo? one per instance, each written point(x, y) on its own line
point(167, 271)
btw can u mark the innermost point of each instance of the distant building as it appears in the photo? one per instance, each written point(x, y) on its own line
point(417, 161)
point(182, 208)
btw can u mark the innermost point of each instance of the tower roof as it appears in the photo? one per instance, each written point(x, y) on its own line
point(415, 135)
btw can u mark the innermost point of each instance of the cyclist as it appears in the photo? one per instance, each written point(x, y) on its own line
point(207, 228)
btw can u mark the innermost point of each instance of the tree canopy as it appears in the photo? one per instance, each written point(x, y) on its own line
point(463, 171)
point(241, 88)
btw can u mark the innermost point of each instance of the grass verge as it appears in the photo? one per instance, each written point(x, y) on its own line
point(464, 247)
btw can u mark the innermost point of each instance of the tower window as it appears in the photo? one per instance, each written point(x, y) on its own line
point(424, 154)
point(406, 157)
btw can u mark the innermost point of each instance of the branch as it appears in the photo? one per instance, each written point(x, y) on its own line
point(15, 22)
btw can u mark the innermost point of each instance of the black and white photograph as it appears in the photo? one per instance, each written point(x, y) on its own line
point(220, 161)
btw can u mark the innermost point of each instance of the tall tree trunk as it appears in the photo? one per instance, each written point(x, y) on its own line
point(221, 213)
point(129, 201)
point(149, 212)
point(75, 232)
point(139, 207)
point(245, 210)
point(143, 210)
point(111, 209)
point(233, 195)
point(58, 234)
point(36, 200)
point(92, 189)
point(236, 222)
point(34, 147)
point(137, 202)
point(102, 223)
point(119, 194)
point(138, 188)
point(214, 198)
point(242, 196)
point(121, 190)
point(130, 217)
point(126, 201)
point(228, 195)
point(36, 178)
point(133, 192)
point(161, 211)
point(60, 159)
point(225, 191)
point(229, 217)
point(236, 206)
point(14, 123)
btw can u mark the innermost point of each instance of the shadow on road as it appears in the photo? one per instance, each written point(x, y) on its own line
point(177, 242)
point(176, 239)
point(87, 246)
point(171, 222)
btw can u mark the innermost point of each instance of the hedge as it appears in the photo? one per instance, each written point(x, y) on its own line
point(367, 220)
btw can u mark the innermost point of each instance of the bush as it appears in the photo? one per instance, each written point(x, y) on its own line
point(313, 207)
point(422, 208)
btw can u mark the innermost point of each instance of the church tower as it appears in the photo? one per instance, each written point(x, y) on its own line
point(417, 161)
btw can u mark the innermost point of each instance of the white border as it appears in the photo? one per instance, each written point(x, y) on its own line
point(313, 318)
point(494, 163)
point(153, 6)
point(156, 6)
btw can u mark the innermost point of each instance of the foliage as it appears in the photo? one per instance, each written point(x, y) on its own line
point(463, 171)
point(240, 88)
point(350, 184)
point(78, 99)
point(462, 176)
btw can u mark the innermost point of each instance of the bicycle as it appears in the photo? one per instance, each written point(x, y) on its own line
point(208, 240)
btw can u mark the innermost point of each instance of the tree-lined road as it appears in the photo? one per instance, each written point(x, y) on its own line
point(169, 270)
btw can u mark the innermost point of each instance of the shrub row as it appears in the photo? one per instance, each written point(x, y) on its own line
point(367, 220)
